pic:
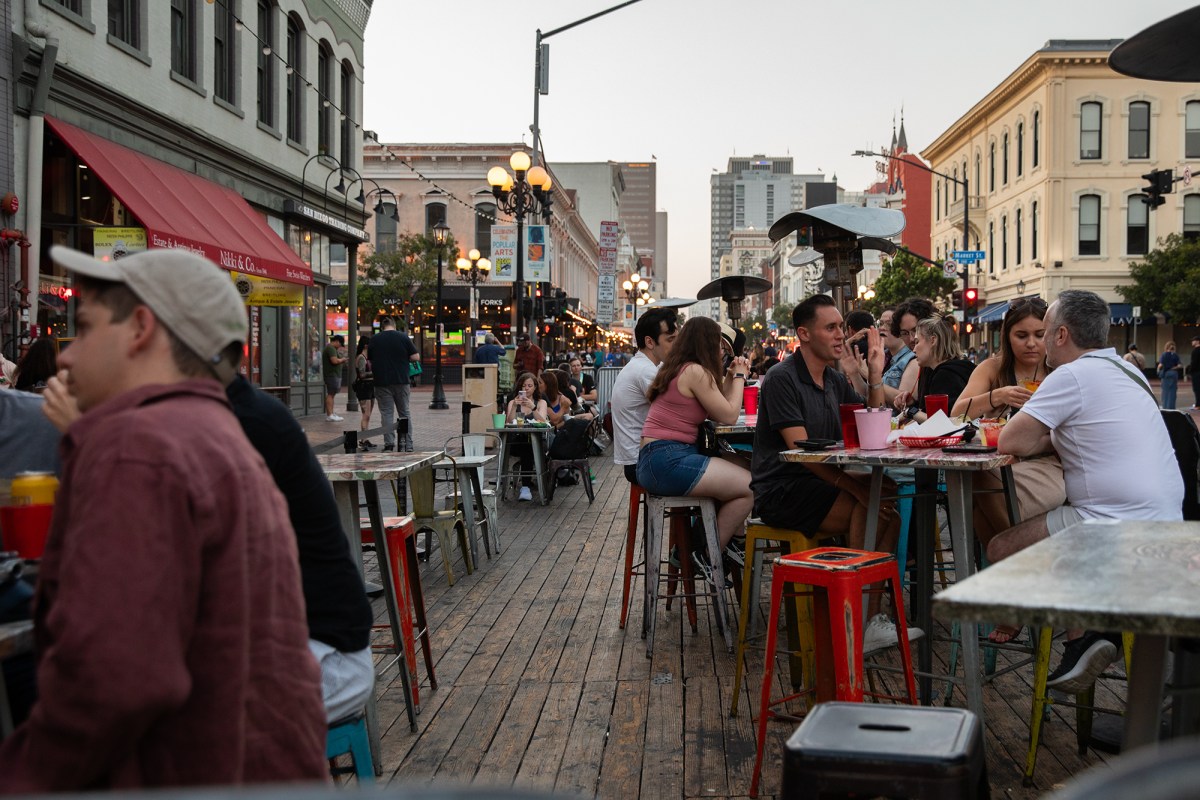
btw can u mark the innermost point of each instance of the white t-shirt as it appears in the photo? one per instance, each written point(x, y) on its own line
point(630, 407)
point(1117, 456)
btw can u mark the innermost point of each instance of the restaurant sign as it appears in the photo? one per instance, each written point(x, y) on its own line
point(109, 244)
point(256, 291)
point(321, 218)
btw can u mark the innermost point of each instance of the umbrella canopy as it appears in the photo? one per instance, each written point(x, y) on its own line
point(1163, 52)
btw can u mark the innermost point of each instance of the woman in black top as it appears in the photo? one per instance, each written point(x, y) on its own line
point(943, 368)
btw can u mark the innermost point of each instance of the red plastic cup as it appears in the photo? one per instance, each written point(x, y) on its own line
point(750, 400)
point(25, 528)
point(937, 402)
point(849, 424)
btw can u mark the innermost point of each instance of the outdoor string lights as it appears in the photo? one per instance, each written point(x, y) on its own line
point(523, 192)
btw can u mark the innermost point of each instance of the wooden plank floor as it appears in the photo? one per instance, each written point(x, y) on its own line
point(538, 688)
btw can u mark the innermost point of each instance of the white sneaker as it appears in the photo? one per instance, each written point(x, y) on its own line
point(525, 494)
point(880, 633)
point(334, 418)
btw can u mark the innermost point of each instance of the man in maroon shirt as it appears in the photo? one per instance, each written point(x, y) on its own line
point(172, 645)
point(529, 357)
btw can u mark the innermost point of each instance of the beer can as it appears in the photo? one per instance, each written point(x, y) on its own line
point(33, 489)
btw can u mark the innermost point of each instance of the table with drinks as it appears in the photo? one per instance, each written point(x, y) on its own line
point(865, 445)
point(536, 433)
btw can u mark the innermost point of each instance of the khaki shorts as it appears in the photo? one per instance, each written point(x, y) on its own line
point(1061, 518)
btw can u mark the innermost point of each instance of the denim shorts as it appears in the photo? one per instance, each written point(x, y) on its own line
point(670, 469)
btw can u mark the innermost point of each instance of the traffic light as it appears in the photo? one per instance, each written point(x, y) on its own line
point(1158, 183)
point(804, 236)
point(956, 299)
point(970, 299)
point(526, 307)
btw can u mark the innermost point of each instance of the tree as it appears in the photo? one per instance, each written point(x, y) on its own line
point(392, 275)
point(753, 334)
point(906, 276)
point(781, 315)
point(1168, 280)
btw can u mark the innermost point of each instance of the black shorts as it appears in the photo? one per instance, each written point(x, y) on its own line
point(798, 508)
point(364, 390)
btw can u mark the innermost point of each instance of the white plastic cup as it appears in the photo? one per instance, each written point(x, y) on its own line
point(874, 425)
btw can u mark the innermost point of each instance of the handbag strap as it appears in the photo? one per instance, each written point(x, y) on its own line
point(1128, 374)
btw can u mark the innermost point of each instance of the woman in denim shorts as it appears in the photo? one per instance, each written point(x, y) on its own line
point(690, 387)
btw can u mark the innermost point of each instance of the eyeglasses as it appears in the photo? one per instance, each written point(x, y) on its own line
point(908, 334)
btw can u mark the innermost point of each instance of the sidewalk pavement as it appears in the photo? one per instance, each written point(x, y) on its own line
point(430, 428)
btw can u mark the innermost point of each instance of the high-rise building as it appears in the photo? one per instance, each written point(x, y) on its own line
point(752, 193)
point(638, 205)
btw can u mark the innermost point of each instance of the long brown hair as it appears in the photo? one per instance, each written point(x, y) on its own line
point(1018, 311)
point(551, 380)
point(699, 342)
point(524, 376)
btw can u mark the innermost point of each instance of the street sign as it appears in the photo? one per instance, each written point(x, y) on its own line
point(968, 256)
point(950, 269)
point(1187, 175)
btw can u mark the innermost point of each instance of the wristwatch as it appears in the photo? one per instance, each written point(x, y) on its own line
point(911, 412)
point(739, 375)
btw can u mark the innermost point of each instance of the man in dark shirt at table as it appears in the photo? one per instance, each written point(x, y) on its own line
point(339, 614)
point(798, 399)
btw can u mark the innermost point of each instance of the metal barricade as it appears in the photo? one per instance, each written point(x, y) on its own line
point(605, 378)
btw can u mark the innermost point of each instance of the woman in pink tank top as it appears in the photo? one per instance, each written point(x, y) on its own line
point(689, 388)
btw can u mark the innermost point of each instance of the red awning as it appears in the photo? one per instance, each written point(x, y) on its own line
point(180, 209)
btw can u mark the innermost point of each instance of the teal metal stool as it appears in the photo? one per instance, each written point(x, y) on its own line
point(350, 736)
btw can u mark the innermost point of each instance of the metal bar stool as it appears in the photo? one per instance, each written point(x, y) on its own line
point(839, 575)
point(637, 501)
point(657, 507)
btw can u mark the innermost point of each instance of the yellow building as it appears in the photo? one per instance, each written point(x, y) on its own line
point(1053, 159)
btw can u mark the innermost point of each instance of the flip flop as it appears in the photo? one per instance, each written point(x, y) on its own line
point(1005, 634)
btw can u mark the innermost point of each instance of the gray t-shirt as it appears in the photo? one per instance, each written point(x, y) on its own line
point(788, 398)
point(28, 441)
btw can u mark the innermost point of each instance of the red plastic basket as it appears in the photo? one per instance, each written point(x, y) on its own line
point(922, 443)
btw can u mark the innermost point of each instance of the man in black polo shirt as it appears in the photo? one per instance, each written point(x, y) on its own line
point(798, 399)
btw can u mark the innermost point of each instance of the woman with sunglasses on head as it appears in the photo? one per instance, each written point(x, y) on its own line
point(998, 387)
point(689, 388)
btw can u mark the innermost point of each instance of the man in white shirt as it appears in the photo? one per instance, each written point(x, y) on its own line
point(1100, 416)
point(655, 332)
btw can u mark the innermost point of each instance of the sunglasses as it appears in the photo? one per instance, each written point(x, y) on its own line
point(1023, 302)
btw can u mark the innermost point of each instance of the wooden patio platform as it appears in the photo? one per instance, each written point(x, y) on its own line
point(539, 689)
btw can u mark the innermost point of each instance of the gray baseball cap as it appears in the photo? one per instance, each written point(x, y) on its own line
point(193, 297)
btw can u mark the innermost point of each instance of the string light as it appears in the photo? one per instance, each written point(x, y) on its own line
point(240, 24)
point(386, 152)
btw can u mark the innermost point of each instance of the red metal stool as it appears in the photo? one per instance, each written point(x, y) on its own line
point(637, 501)
point(410, 595)
point(838, 576)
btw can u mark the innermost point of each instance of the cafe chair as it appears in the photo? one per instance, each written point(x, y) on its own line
point(349, 737)
point(838, 576)
point(444, 524)
point(761, 539)
point(487, 514)
point(867, 749)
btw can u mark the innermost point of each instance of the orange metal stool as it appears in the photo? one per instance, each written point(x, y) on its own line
point(637, 501)
point(410, 596)
point(838, 576)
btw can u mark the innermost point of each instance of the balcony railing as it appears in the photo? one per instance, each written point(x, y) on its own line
point(978, 206)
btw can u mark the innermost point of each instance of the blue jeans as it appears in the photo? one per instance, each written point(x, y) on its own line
point(1170, 387)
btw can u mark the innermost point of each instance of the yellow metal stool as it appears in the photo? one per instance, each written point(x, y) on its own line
point(800, 625)
point(1084, 702)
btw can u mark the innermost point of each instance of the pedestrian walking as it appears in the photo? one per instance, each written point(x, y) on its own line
point(332, 359)
point(1194, 371)
point(364, 389)
point(1169, 370)
point(391, 352)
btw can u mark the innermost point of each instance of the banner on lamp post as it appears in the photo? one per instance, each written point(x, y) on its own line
point(504, 254)
point(537, 253)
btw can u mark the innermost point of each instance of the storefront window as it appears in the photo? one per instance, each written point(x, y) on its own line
point(296, 343)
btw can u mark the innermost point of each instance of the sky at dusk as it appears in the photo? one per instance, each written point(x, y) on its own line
point(690, 83)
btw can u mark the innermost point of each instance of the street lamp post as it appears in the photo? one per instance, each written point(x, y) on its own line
point(966, 187)
point(637, 292)
point(439, 392)
point(473, 269)
point(523, 192)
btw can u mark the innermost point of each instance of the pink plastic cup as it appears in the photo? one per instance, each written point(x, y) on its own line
point(874, 425)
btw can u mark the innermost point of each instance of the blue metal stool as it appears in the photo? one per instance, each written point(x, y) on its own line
point(350, 736)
